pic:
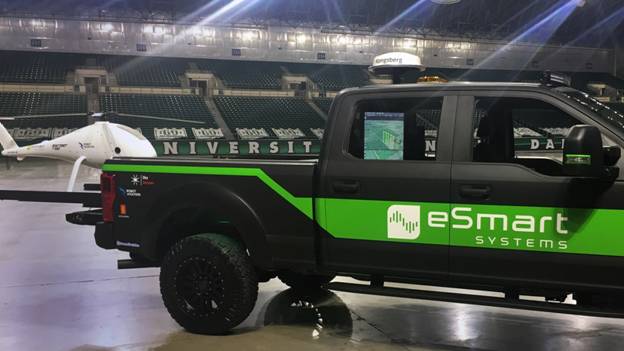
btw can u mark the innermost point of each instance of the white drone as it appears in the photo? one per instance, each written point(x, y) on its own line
point(91, 145)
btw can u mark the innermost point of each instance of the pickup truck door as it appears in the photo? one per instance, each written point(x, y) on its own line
point(384, 168)
point(515, 217)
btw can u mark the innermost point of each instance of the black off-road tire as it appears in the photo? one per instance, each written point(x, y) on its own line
point(208, 283)
point(300, 281)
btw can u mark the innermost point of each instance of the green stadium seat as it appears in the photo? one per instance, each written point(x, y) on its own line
point(245, 74)
point(145, 71)
point(324, 104)
point(70, 122)
point(181, 107)
point(28, 103)
point(331, 77)
point(268, 113)
point(36, 67)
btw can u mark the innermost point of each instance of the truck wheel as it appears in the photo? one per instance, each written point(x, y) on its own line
point(304, 281)
point(208, 283)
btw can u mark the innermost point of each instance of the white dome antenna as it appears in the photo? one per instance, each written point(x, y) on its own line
point(395, 64)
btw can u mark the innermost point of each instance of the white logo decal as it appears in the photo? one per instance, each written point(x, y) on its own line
point(135, 179)
point(403, 222)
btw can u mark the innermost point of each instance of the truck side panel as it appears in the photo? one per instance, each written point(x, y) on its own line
point(268, 203)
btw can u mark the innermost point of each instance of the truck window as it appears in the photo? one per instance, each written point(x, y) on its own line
point(396, 129)
point(520, 130)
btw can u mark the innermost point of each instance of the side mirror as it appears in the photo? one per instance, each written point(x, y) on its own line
point(584, 156)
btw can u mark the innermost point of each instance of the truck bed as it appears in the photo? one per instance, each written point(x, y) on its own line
point(268, 203)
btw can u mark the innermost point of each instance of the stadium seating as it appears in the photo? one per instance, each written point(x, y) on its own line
point(268, 112)
point(618, 107)
point(238, 112)
point(533, 123)
point(145, 71)
point(550, 121)
point(245, 74)
point(70, 122)
point(430, 119)
point(23, 104)
point(147, 126)
point(581, 79)
point(331, 77)
point(324, 104)
point(187, 107)
point(33, 67)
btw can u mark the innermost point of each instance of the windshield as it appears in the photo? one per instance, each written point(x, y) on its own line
point(609, 115)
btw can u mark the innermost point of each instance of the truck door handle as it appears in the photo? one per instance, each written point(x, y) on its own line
point(475, 191)
point(346, 186)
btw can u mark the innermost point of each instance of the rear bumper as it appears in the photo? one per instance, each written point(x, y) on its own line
point(104, 236)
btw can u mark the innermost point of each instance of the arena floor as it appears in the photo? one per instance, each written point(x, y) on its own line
point(58, 291)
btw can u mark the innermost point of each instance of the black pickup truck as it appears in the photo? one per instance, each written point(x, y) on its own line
point(509, 187)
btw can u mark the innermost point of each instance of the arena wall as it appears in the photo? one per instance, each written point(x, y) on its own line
point(288, 44)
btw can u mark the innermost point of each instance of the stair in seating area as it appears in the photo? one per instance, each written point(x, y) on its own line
point(218, 118)
point(317, 109)
point(93, 103)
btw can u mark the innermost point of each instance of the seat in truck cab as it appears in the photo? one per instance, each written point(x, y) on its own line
point(496, 140)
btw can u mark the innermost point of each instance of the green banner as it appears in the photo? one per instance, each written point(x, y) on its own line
point(299, 147)
point(529, 144)
point(221, 147)
point(238, 147)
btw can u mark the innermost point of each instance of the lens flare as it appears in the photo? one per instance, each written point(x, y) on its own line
point(413, 11)
point(538, 32)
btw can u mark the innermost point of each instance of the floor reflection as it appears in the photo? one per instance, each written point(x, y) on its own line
point(322, 311)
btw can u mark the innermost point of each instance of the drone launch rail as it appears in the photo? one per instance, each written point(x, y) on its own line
point(87, 199)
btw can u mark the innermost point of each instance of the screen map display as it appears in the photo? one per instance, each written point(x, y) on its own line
point(383, 135)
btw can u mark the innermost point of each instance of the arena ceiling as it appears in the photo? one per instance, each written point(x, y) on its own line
point(578, 22)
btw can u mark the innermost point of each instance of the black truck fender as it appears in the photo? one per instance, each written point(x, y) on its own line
point(215, 204)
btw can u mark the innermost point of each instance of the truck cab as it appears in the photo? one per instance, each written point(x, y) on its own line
point(467, 183)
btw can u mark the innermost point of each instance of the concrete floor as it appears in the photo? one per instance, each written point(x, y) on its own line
point(58, 291)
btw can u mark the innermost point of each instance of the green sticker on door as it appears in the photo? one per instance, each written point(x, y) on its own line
point(578, 159)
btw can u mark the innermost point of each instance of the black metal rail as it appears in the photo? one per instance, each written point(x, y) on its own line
point(475, 299)
point(87, 199)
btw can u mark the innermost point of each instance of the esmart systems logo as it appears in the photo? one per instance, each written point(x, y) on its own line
point(403, 222)
point(529, 228)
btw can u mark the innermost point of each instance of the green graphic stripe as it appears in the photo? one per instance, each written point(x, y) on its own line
point(525, 228)
point(566, 230)
point(303, 204)
point(545, 229)
point(368, 220)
